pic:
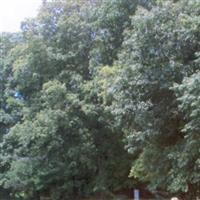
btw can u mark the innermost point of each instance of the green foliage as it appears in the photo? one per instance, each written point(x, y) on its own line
point(97, 96)
point(186, 154)
point(160, 50)
point(111, 18)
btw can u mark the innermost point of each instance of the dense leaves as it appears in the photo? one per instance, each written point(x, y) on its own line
point(98, 96)
point(160, 50)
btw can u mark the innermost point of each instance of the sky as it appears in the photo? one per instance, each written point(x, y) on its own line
point(13, 12)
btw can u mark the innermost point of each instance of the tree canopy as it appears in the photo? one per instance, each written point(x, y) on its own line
point(101, 95)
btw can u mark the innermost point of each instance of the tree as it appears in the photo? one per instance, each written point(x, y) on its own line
point(61, 147)
point(158, 51)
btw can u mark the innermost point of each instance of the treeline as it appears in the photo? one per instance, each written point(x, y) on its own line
point(101, 95)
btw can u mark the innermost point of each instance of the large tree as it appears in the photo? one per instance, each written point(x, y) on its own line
point(64, 145)
point(159, 50)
